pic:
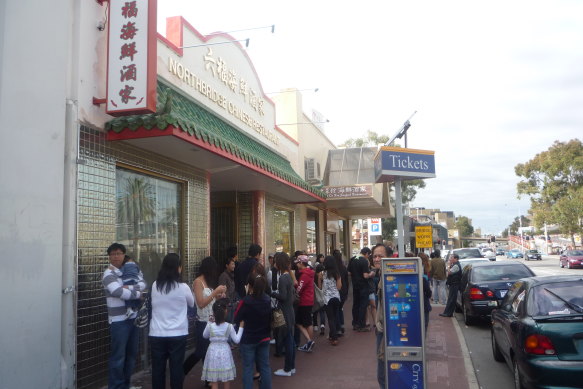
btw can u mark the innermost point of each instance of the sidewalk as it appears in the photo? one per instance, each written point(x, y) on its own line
point(352, 363)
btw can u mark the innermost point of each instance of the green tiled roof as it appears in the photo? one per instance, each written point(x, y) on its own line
point(176, 110)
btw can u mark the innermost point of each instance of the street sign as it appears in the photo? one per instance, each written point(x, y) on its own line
point(375, 226)
point(404, 329)
point(423, 236)
point(407, 164)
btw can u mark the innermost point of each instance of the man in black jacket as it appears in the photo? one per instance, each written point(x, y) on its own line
point(242, 271)
point(454, 277)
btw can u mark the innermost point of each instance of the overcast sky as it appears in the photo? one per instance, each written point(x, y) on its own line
point(493, 82)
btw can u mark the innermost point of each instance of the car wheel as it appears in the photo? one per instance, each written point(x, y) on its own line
point(517, 379)
point(468, 319)
point(498, 357)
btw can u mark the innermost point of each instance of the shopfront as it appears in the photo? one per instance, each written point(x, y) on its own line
point(207, 170)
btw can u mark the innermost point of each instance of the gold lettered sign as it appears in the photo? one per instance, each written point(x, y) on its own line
point(423, 236)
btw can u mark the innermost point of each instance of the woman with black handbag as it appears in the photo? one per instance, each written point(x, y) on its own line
point(285, 298)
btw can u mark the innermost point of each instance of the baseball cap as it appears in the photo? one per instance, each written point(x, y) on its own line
point(302, 258)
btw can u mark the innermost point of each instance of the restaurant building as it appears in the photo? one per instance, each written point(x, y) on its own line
point(191, 162)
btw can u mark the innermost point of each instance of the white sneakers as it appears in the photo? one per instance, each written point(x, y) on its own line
point(283, 373)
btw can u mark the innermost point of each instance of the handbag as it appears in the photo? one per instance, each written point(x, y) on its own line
point(277, 318)
point(319, 299)
point(144, 313)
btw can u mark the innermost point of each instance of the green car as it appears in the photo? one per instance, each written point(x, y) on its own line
point(538, 332)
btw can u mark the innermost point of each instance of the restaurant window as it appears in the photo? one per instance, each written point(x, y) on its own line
point(148, 218)
point(282, 230)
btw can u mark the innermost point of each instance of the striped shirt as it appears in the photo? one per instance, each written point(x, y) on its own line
point(116, 294)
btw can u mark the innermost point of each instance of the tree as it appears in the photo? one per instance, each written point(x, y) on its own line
point(553, 180)
point(389, 227)
point(513, 227)
point(136, 204)
point(371, 139)
point(464, 226)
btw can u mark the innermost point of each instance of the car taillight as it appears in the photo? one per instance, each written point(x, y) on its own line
point(539, 345)
point(476, 294)
point(490, 293)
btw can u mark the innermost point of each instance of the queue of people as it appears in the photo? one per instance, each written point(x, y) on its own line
point(236, 308)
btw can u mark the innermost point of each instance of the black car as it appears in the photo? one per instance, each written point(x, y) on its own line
point(538, 332)
point(484, 285)
point(532, 254)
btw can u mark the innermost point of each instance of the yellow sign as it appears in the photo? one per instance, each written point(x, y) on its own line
point(423, 236)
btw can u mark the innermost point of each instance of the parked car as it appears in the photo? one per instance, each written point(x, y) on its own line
point(532, 254)
point(488, 253)
point(571, 258)
point(500, 251)
point(468, 253)
point(484, 285)
point(514, 253)
point(538, 331)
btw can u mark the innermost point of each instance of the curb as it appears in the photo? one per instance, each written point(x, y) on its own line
point(468, 364)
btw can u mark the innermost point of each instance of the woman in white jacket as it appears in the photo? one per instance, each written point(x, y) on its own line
point(169, 324)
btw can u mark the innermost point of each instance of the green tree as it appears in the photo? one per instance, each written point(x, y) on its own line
point(553, 180)
point(464, 226)
point(136, 204)
point(389, 227)
point(513, 227)
point(370, 139)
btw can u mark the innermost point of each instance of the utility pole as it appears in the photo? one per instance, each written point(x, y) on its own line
point(398, 196)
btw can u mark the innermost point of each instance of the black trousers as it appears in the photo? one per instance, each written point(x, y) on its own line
point(451, 299)
point(171, 350)
point(355, 302)
point(332, 308)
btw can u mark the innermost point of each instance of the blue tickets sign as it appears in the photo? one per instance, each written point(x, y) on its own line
point(408, 164)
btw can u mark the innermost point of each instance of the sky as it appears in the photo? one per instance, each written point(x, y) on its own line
point(492, 83)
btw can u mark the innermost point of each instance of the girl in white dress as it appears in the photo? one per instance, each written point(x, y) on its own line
point(218, 363)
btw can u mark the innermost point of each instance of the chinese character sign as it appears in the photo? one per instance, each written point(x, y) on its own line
point(339, 192)
point(131, 66)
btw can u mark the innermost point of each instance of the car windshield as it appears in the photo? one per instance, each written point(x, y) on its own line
point(574, 252)
point(500, 273)
point(560, 298)
point(532, 252)
point(468, 253)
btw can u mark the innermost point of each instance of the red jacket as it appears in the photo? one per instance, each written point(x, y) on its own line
point(306, 287)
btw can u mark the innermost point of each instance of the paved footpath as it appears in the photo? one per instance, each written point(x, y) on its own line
point(352, 363)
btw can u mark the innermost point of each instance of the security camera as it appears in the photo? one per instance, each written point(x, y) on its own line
point(100, 25)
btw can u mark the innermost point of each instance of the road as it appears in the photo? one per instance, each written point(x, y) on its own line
point(492, 374)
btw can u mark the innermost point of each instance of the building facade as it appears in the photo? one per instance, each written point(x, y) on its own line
point(207, 168)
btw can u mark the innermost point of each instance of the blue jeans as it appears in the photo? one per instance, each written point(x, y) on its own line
point(167, 349)
point(259, 353)
point(290, 350)
point(123, 351)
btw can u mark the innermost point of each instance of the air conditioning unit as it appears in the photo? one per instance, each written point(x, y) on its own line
point(312, 170)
